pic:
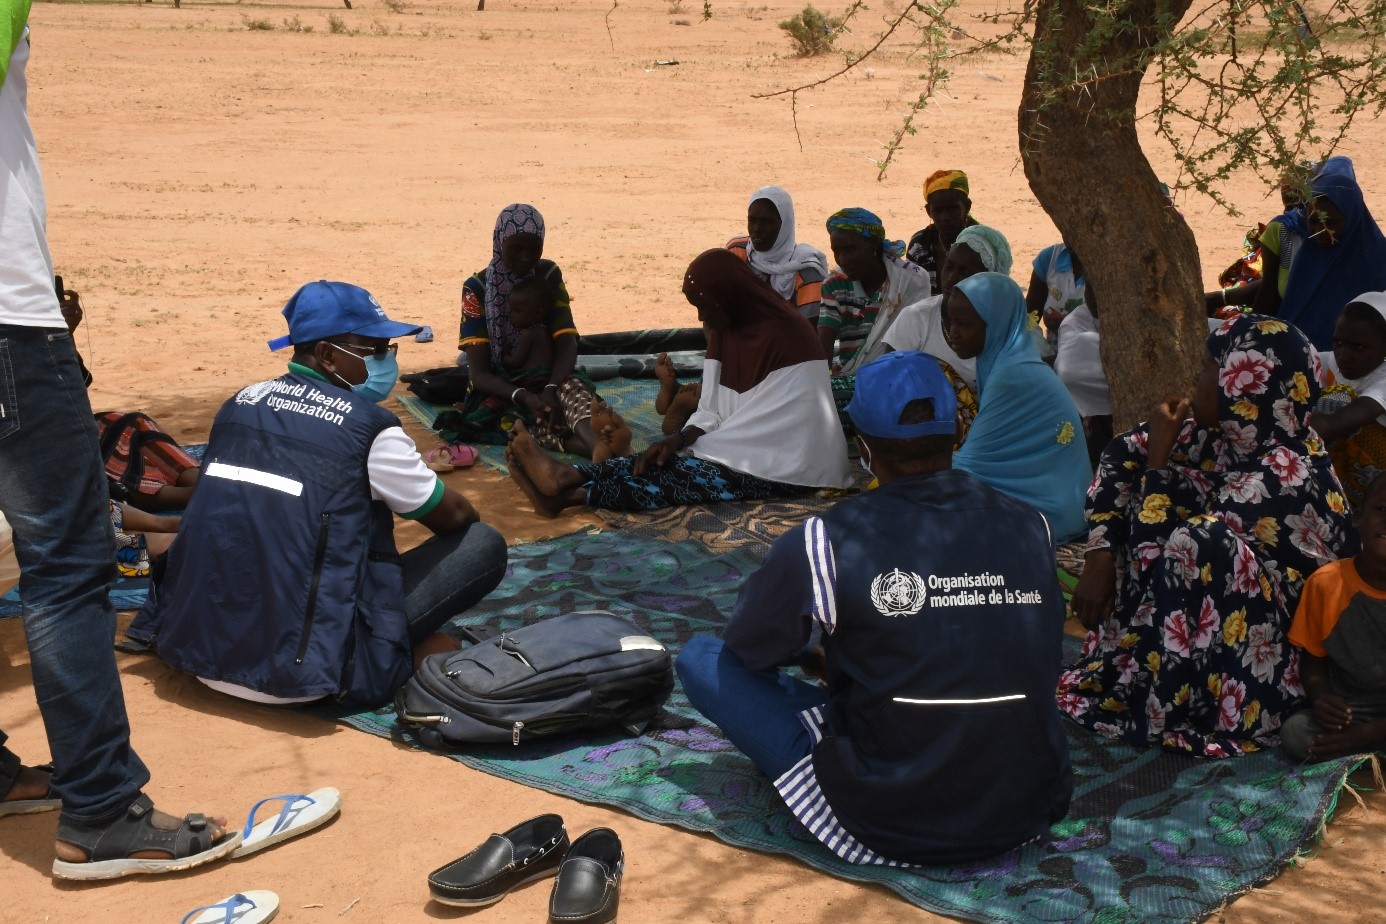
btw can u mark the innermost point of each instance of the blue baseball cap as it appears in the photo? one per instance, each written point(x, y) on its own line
point(323, 309)
point(885, 386)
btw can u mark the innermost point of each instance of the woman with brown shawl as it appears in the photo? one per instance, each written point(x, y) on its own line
point(765, 425)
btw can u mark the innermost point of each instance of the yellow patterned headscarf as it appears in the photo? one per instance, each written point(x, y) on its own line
point(945, 179)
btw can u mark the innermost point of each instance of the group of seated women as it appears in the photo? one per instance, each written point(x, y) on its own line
point(784, 339)
point(1202, 525)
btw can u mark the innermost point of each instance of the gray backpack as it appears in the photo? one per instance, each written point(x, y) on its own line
point(567, 673)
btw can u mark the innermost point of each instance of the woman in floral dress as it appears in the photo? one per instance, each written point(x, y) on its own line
point(1201, 533)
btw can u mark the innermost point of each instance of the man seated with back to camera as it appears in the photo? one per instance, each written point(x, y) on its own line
point(935, 737)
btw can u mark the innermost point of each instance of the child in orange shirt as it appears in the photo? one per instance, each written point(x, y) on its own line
point(1340, 629)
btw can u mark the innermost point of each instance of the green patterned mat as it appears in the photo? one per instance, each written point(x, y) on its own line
point(1151, 836)
point(633, 399)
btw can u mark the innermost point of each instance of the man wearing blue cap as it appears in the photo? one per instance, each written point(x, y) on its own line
point(934, 737)
point(284, 585)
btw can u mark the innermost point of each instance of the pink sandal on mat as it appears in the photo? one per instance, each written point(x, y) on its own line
point(448, 456)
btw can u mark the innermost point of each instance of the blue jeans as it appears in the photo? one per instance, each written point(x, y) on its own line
point(758, 711)
point(53, 492)
point(447, 575)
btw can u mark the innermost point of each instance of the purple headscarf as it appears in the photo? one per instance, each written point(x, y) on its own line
point(514, 219)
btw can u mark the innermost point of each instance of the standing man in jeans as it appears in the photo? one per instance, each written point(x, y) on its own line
point(53, 492)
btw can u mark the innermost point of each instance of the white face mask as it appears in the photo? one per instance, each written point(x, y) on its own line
point(381, 374)
point(865, 459)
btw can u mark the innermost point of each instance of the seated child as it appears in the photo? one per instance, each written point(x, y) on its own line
point(1079, 365)
point(1352, 415)
point(1339, 631)
point(676, 402)
point(140, 538)
point(530, 302)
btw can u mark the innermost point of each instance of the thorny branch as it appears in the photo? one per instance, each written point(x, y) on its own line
point(1238, 84)
point(851, 63)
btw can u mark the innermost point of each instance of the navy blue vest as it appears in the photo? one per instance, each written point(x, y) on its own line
point(285, 577)
point(943, 740)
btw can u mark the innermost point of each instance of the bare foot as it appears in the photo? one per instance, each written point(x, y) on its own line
point(668, 382)
point(547, 474)
point(544, 505)
point(683, 406)
point(616, 437)
point(1358, 738)
point(602, 451)
point(602, 415)
point(216, 828)
point(31, 783)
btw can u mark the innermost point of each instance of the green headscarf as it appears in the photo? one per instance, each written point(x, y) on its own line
point(990, 245)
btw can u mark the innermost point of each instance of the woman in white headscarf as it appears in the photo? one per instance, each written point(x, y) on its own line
point(796, 271)
point(1351, 417)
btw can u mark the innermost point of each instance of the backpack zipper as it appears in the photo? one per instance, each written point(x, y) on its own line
point(515, 733)
point(318, 555)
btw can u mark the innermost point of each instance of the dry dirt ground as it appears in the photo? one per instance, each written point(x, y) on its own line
point(203, 162)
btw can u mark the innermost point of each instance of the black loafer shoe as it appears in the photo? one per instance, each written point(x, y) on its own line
point(531, 850)
point(588, 887)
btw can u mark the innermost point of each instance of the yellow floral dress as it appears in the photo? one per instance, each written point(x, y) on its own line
point(1212, 551)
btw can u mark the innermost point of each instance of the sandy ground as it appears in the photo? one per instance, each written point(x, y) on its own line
point(199, 169)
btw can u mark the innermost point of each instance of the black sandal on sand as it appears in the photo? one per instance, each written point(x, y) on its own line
point(9, 773)
point(108, 847)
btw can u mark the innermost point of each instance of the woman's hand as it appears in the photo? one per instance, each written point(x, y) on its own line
point(659, 454)
point(1165, 424)
point(1094, 599)
point(529, 402)
point(550, 405)
point(667, 450)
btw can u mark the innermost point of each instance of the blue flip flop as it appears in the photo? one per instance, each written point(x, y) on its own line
point(424, 336)
point(299, 815)
point(254, 907)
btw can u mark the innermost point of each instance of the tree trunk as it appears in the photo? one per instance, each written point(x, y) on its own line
point(1085, 165)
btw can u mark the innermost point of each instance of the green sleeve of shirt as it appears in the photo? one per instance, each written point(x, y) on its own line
point(14, 14)
point(1270, 237)
point(830, 314)
point(434, 499)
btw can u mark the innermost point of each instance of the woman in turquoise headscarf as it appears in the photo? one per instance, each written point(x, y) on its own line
point(1027, 438)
